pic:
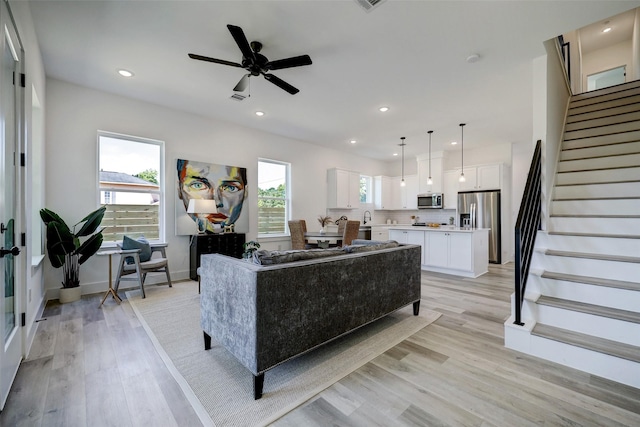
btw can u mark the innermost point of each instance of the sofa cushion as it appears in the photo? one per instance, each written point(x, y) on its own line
point(264, 257)
point(355, 248)
point(362, 242)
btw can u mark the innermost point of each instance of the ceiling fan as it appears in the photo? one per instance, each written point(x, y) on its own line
point(256, 63)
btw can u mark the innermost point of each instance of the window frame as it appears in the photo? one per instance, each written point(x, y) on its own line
point(161, 181)
point(287, 198)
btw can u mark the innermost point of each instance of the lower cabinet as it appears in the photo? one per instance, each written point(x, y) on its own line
point(380, 233)
point(458, 252)
point(223, 243)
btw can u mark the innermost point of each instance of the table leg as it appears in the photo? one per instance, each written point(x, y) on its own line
point(110, 290)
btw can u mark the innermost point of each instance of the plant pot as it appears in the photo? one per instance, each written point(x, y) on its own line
point(69, 294)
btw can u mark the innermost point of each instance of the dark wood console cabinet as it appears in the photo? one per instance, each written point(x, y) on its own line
point(223, 243)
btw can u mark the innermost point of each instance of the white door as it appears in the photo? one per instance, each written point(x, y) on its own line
point(10, 289)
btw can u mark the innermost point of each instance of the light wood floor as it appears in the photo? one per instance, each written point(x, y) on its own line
point(96, 367)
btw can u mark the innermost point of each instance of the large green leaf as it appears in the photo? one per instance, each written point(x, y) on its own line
point(89, 247)
point(50, 216)
point(91, 222)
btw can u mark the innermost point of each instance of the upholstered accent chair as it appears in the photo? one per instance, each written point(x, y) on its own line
point(135, 262)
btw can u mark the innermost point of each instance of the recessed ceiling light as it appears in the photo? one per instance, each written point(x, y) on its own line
point(454, 142)
point(125, 73)
point(259, 113)
point(606, 30)
point(395, 154)
point(384, 109)
point(473, 58)
point(353, 141)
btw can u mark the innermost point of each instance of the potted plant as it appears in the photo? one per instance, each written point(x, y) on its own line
point(324, 221)
point(249, 248)
point(65, 249)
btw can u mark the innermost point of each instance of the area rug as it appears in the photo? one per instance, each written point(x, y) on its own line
point(221, 389)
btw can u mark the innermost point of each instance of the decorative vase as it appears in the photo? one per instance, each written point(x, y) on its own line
point(69, 294)
point(323, 230)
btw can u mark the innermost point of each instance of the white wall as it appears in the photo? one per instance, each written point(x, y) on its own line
point(608, 58)
point(75, 114)
point(33, 285)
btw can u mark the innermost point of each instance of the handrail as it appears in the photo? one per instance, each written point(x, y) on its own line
point(565, 50)
point(527, 225)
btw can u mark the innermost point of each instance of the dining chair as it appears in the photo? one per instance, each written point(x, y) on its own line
point(130, 263)
point(351, 230)
point(297, 228)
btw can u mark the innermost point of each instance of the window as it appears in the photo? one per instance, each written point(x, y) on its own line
point(273, 197)
point(366, 193)
point(130, 176)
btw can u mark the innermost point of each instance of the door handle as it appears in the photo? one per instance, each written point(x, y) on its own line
point(13, 251)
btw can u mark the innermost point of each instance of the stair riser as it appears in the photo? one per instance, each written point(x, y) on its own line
point(604, 150)
point(605, 121)
point(592, 245)
point(606, 108)
point(601, 140)
point(622, 299)
point(623, 189)
point(627, 271)
point(596, 207)
point(605, 366)
point(628, 160)
point(603, 130)
point(602, 176)
point(608, 94)
point(603, 327)
point(614, 226)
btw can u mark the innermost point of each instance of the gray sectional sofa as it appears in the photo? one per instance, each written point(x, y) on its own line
point(267, 314)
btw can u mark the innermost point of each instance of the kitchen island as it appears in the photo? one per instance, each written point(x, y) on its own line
point(447, 249)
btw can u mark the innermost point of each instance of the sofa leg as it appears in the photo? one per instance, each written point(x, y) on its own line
point(258, 382)
point(416, 308)
point(207, 341)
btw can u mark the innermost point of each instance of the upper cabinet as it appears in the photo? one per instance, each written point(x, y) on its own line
point(390, 195)
point(343, 189)
point(485, 177)
point(433, 168)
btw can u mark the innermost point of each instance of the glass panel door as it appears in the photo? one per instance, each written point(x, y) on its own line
point(615, 76)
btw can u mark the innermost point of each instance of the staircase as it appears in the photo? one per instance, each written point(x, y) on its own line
point(582, 302)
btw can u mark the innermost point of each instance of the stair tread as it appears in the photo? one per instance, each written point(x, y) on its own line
point(569, 199)
point(593, 256)
point(589, 342)
point(588, 280)
point(617, 236)
point(592, 216)
point(604, 168)
point(593, 309)
point(599, 183)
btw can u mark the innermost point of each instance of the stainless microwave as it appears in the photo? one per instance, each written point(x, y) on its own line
point(430, 201)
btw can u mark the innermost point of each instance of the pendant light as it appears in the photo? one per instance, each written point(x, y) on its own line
point(462, 178)
point(402, 144)
point(430, 181)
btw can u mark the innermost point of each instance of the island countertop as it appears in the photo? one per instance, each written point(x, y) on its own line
point(447, 228)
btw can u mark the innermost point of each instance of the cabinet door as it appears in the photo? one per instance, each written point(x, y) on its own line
point(470, 182)
point(417, 238)
point(489, 177)
point(451, 189)
point(410, 192)
point(380, 233)
point(398, 235)
point(438, 249)
point(382, 192)
point(354, 190)
point(460, 251)
point(395, 190)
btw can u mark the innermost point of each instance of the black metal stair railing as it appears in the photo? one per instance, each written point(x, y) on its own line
point(565, 50)
point(527, 226)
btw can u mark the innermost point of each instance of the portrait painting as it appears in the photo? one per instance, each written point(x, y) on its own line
point(226, 185)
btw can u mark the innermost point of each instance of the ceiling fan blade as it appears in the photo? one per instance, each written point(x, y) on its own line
point(281, 84)
point(296, 61)
point(214, 60)
point(241, 41)
point(242, 84)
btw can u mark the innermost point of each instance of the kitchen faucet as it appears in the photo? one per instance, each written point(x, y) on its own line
point(365, 216)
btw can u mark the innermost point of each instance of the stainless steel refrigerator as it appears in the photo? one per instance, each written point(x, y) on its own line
point(481, 209)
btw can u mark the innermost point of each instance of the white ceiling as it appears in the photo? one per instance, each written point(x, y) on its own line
point(407, 55)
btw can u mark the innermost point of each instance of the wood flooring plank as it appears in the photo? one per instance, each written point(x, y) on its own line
point(69, 349)
point(25, 404)
point(106, 401)
point(47, 333)
point(65, 405)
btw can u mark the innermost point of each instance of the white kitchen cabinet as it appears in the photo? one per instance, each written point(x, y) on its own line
point(450, 192)
point(485, 177)
point(382, 192)
point(436, 173)
point(390, 195)
point(380, 233)
point(343, 189)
